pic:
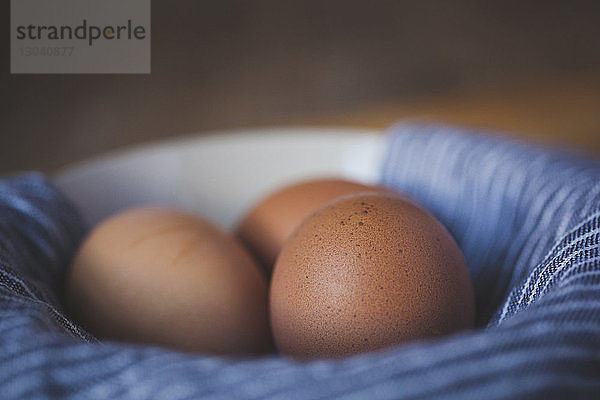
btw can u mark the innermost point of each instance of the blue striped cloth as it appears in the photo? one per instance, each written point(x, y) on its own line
point(526, 218)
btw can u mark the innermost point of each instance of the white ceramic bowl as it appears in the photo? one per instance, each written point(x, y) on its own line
point(219, 175)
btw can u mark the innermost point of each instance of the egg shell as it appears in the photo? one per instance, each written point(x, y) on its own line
point(266, 227)
point(365, 272)
point(163, 276)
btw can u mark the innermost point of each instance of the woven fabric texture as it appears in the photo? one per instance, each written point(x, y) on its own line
point(526, 219)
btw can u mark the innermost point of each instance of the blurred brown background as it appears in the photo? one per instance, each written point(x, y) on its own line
point(529, 67)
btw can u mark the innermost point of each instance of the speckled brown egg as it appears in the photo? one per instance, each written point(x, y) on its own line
point(267, 226)
point(163, 276)
point(364, 272)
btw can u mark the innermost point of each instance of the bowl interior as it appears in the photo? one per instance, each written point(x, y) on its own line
point(219, 175)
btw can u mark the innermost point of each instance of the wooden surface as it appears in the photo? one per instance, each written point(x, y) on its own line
point(559, 110)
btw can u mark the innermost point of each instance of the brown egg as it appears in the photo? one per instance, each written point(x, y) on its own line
point(267, 226)
point(163, 276)
point(364, 272)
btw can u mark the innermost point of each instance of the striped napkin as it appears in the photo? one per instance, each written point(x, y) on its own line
point(526, 218)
